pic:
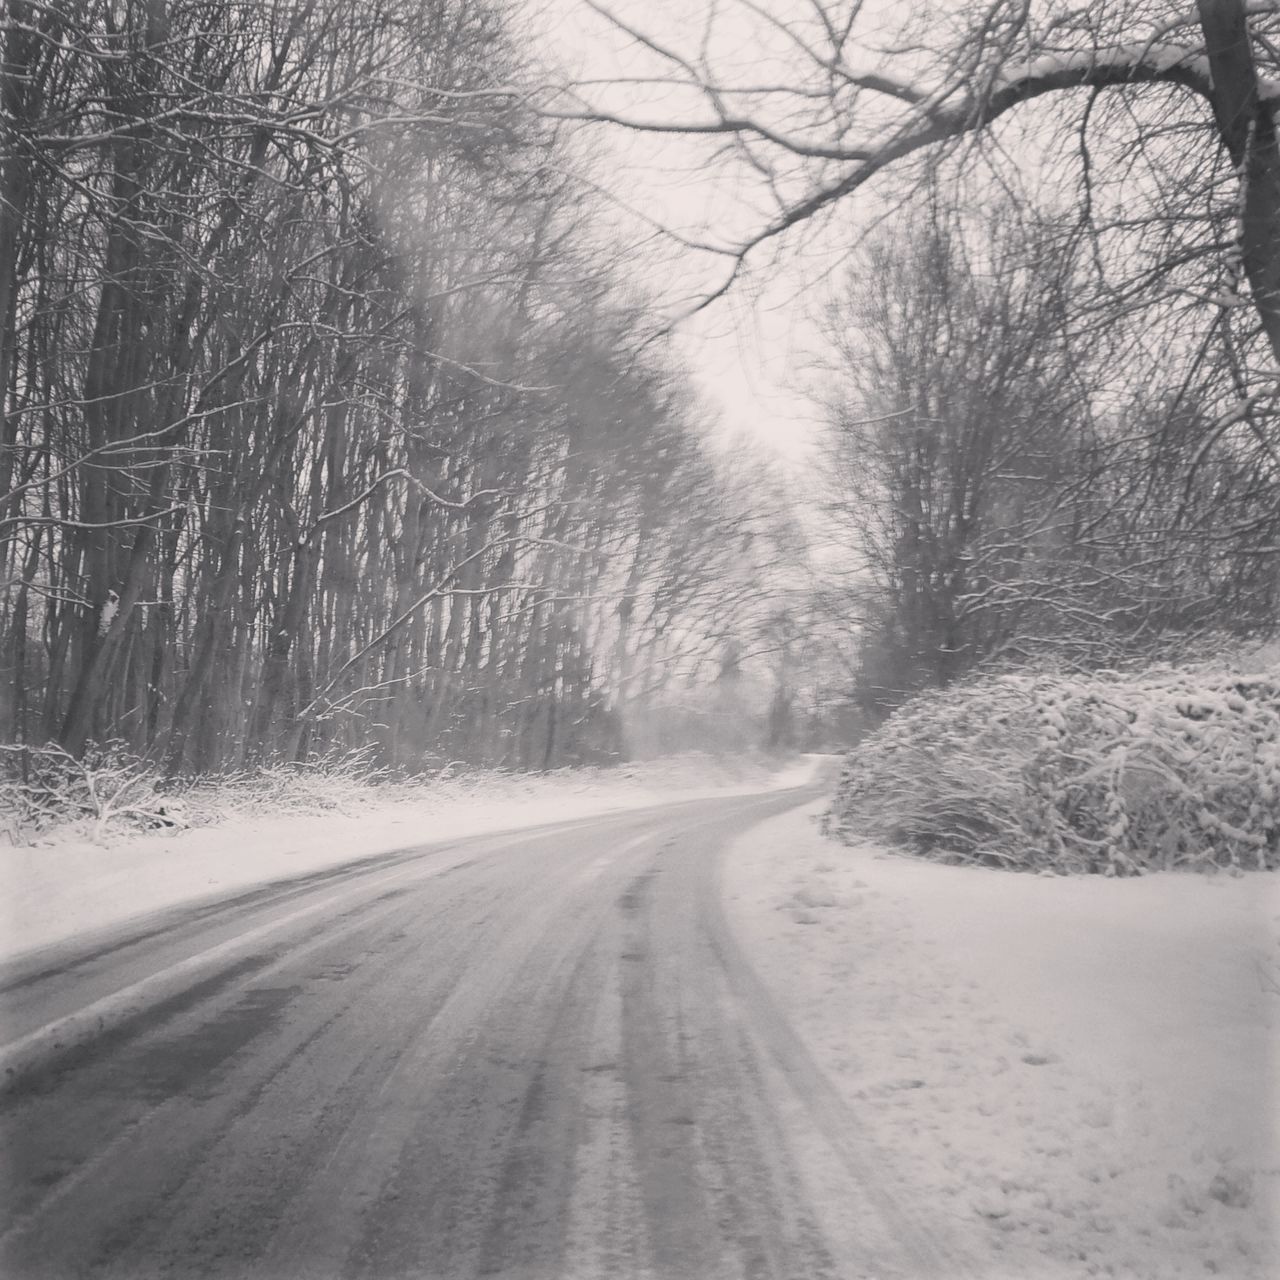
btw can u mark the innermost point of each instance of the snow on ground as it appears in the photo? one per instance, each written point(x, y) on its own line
point(1081, 1076)
point(56, 889)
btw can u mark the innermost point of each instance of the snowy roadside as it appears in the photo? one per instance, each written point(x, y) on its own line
point(56, 889)
point(1079, 1074)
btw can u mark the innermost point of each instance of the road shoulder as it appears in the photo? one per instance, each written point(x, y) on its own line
point(1073, 1074)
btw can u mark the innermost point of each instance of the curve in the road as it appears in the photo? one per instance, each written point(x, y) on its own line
point(532, 1056)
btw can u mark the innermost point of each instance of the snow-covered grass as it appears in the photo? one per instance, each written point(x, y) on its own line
point(1113, 773)
point(1080, 1076)
point(269, 826)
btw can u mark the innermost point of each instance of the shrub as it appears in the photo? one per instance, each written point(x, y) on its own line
point(1109, 773)
point(45, 787)
point(108, 790)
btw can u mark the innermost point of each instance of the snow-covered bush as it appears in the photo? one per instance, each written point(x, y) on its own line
point(340, 781)
point(1111, 773)
point(45, 787)
point(108, 791)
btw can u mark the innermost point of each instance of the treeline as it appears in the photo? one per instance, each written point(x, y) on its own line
point(1034, 464)
point(322, 423)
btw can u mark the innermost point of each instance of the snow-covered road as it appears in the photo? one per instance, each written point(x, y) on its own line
point(695, 1040)
point(539, 1056)
point(62, 888)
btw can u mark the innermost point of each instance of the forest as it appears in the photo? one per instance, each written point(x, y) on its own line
point(337, 415)
point(326, 423)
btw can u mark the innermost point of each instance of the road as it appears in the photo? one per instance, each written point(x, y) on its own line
point(534, 1055)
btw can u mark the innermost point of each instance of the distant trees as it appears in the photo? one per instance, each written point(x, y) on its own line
point(1015, 481)
point(1054, 406)
point(320, 425)
point(953, 414)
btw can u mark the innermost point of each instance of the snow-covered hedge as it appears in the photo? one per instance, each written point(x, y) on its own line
point(1112, 774)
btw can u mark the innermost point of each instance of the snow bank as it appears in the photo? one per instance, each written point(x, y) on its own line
point(1080, 1074)
point(59, 887)
point(1110, 773)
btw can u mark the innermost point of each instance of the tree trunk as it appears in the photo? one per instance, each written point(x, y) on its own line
point(1247, 125)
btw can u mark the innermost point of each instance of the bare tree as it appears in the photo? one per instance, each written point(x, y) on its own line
point(1005, 491)
point(1171, 115)
point(322, 423)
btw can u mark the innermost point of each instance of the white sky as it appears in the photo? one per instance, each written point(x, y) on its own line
point(753, 353)
point(750, 352)
point(749, 357)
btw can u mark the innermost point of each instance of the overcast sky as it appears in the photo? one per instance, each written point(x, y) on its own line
point(751, 352)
